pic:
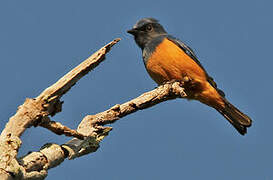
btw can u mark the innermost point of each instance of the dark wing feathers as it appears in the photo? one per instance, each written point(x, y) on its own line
point(190, 53)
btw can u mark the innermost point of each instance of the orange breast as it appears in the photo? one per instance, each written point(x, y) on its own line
point(169, 62)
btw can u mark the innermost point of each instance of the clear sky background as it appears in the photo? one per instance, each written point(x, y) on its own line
point(40, 41)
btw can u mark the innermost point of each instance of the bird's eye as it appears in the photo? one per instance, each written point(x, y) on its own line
point(149, 27)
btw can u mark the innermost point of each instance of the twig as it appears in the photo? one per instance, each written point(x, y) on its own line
point(60, 129)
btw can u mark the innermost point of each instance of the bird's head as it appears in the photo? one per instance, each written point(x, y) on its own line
point(145, 30)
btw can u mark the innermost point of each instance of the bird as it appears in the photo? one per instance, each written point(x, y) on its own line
point(167, 58)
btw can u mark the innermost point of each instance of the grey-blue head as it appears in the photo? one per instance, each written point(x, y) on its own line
point(145, 30)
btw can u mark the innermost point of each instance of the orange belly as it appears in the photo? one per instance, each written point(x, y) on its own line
point(169, 62)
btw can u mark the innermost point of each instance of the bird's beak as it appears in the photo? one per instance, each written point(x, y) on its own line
point(132, 31)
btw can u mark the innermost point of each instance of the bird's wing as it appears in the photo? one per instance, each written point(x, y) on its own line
point(190, 53)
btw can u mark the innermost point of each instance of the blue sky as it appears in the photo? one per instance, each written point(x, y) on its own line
point(42, 40)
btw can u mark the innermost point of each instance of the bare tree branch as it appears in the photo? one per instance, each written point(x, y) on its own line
point(36, 111)
point(92, 126)
point(48, 102)
point(91, 131)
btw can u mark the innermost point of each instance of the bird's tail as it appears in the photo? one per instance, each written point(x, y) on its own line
point(238, 119)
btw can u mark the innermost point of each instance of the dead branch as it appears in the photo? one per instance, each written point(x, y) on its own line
point(48, 102)
point(35, 112)
point(91, 131)
point(92, 127)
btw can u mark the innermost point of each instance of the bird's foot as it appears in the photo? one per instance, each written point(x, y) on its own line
point(187, 79)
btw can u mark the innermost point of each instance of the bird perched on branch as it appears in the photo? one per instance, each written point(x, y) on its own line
point(166, 59)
